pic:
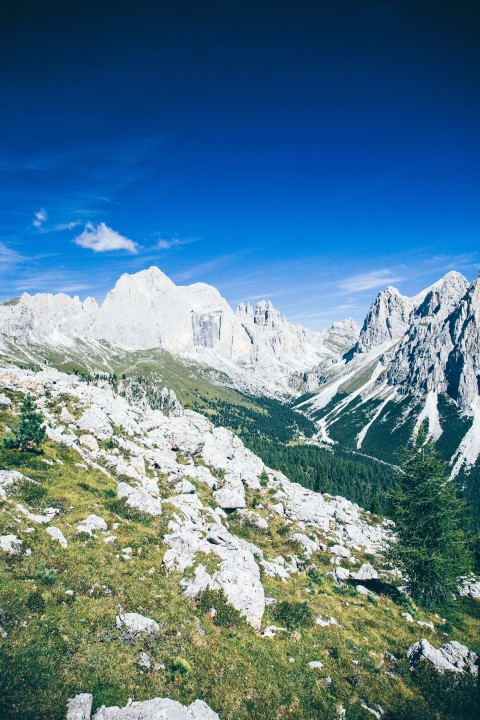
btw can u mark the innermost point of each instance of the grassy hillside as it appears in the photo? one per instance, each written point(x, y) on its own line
point(58, 610)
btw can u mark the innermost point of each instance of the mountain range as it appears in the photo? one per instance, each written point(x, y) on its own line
point(415, 359)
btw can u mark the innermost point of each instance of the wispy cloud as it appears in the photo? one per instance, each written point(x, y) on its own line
point(103, 239)
point(206, 267)
point(370, 280)
point(66, 225)
point(168, 243)
point(40, 217)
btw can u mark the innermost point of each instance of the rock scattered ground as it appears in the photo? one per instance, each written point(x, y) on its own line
point(222, 520)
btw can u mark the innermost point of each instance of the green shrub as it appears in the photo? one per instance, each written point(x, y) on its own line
point(225, 614)
point(263, 477)
point(36, 603)
point(181, 666)
point(30, 431)
point(47, 576)
point(294, 614)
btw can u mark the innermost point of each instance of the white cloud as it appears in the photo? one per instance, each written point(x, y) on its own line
point(103, 239)
point(67, 225)
point(40, 217)
point(167, 243)
point(369, 280)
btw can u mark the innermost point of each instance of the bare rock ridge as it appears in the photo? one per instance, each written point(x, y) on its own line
point(430, 342)
point(147, 310)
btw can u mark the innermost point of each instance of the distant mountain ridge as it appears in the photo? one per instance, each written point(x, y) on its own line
point(147, 310)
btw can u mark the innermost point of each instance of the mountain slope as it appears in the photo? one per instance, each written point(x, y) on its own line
point(110, 537)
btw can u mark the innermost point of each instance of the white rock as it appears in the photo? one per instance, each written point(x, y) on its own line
point(89, 442)
point(199, 710)
point(9, 478)
point(80, 707)
point(57, 534)
point(325, 622)
point(5, 401)
point(140, 499)
point(231, 495)
point(365, 572)
point(341, 574)
point(309, 546)
point(452, 657)
point(184, 487)
point(470, 587)
point(92, 524)
point(96, 422)
point(408, 617)
point(429, 624)
point(272, 630)
point(315, 664)
point(340, 551)
point(362, 590)
point(136, 623)
point(66, 416)
point(10, 544)
point(144, 660)
point(39, 519)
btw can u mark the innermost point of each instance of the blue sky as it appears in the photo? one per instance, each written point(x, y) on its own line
point(311, 153)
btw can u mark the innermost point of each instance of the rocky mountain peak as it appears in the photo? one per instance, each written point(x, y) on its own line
point(150, 282)
point(266, 315)
point(443, 296)
point(387, 320)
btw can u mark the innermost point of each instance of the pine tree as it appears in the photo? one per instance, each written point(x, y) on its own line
point(431, 548)
point(30, 431)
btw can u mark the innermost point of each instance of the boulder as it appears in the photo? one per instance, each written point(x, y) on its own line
point(140, 499)
point(57, 535)
point(92, 524)
point(80, 707)
point(325, 622)
point(9, 478)
point(365, 572)
point(231, 495)
point(339, 551)
point(89, 442)
point(309, 546)
point(66, 416)
point(39, 519)
point(451, 657)
point(10, 544)
point(137, 624)
point(470, 587)
point(184, 487)
point(95, 421)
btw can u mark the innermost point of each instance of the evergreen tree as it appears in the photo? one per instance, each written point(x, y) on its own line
point(30, 431)
point(431, 548)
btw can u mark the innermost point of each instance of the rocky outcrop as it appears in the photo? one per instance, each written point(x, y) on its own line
point(207, 471)
point(451, 657)
point(80, 708)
